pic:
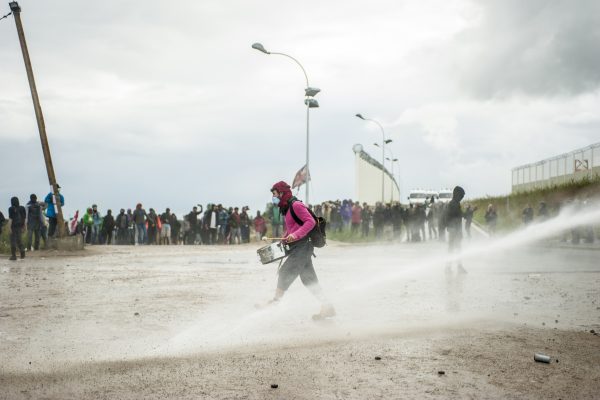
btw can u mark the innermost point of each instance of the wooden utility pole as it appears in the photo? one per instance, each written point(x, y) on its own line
point(16, 11)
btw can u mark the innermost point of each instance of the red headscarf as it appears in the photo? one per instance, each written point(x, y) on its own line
point(286, 194)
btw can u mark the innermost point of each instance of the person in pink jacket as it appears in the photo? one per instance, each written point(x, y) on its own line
point(299, 262)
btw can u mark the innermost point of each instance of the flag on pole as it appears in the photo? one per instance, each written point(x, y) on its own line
point(73, 223)
point(301, 177)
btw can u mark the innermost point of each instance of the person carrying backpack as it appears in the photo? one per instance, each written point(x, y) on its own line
point(34, 223)
point(300, 224)
point(18, 216)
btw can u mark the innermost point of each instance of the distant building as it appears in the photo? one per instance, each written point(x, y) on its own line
point(368, 179)
point(569, 167)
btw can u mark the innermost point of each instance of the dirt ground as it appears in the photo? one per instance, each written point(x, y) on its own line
point(180, 322)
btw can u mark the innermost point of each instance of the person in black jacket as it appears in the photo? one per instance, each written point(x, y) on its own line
point(34, 223)
point(108, 225)
point(453, 220)
point(2, 221)
point(122, 224)
point(18, 216)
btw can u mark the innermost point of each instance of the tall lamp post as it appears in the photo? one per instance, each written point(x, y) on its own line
point(309, 101)
point(383, 143)
point(392, 160)
point(16, 11)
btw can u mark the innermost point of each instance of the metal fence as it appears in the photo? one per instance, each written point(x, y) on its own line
point(569, 167)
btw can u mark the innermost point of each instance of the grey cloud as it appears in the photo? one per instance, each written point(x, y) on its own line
point(534, 47)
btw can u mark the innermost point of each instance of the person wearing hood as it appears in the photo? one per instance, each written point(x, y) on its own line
point(18, 216)
point(34, 223)
point(453, 222)
point(299, 262)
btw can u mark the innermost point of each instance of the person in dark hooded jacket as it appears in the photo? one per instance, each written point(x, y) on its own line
point(34, 223)
point(18, 216)
point(453, 220)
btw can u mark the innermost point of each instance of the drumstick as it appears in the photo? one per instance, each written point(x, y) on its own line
point(269, 238)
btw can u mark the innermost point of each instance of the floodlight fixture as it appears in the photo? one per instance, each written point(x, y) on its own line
point(311, 91)
point(311, 103)
point(260, 47)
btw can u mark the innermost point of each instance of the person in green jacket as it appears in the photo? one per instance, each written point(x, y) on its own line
point(88, 224)
point(276, 222)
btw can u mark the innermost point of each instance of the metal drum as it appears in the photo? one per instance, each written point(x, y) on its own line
point(272, 252)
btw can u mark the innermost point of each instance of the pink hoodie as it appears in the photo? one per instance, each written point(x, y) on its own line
point(299, 231)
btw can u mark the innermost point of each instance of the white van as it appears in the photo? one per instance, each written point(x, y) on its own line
point(419, 196)
point(445, 195)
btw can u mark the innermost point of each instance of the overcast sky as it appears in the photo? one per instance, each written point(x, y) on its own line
point(165, 103)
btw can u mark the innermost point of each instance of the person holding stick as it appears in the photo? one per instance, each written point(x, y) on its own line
point(299, 261)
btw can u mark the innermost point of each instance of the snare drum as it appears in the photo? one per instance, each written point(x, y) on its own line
point(272, 252)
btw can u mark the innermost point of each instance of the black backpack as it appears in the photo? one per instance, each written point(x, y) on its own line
point(317, 235)
point(35, 212)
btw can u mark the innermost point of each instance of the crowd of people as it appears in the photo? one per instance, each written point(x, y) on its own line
point(212, 225)
point(415, 222)
point(37, 218)
point(216, 224)
point(576, 234)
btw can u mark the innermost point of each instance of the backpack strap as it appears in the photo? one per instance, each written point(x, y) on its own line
point(298, 220)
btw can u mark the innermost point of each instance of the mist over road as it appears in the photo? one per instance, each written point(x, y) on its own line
point(185, 314)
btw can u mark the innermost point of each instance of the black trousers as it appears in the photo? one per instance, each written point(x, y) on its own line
point(33, 229)
point(122, 236)
point(16, 239)
point(299, 263)
point(52, 222)
point(213, 235)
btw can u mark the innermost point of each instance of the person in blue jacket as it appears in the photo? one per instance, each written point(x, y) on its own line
point(51, 211)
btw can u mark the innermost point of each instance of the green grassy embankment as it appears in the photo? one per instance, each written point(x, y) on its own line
point(510, 207)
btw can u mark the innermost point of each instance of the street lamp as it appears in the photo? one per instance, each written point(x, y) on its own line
point(384, 141)
point(393, 160)
point(309, 101)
